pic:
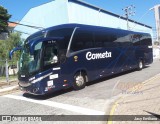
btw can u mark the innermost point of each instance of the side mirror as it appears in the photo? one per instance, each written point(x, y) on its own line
point(13, 50)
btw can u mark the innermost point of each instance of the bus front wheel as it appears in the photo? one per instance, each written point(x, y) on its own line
point(79, 81)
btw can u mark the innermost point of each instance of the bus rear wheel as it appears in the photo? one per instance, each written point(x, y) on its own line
point(140, 65)
point(79, 81)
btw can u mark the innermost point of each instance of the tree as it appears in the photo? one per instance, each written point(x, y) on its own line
point(6, 45)
point(4, 17)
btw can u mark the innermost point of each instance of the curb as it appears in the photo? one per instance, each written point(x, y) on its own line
point(116, 102)
point(10, 81)
point(8, 89)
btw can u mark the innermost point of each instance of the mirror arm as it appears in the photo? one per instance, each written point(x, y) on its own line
point(13, 50)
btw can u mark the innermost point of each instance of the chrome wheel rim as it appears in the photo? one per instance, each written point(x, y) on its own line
point(79, 80)
point(140, 65)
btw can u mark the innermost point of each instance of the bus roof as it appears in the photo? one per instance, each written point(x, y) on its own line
point(73, 25)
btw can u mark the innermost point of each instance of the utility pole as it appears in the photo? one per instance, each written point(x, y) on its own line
point(129, 12)
point(7, 76)
point(157, 20)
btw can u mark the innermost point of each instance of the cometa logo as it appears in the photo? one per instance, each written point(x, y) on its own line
point(90, 56)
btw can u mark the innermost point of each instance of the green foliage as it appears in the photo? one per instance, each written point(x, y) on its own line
point(4, 17)
point(7, 45)
point(2, 51)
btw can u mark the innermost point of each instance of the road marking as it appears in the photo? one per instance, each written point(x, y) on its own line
point(113, 109)
point(157, 76)
point(68, 107)
point(114, 106)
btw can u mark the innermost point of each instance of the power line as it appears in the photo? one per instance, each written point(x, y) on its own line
point(22, 32)
point(31, 26)
point(129, 12)
point(24, 21)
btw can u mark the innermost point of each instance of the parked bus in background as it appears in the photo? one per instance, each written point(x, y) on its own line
point(70, 55)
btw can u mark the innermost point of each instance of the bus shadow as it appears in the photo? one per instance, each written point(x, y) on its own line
point(112, 76)
point(64, 91)
point(108, 77)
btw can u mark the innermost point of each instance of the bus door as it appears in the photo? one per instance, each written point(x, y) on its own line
point(51, 64)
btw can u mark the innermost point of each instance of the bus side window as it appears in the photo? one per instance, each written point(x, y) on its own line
point(136, 39)
point(64, 33)
point(62, 55)
point(50, 55)
point(82, 39)
point(146, 40)
point(104, 38)
point(123, 39)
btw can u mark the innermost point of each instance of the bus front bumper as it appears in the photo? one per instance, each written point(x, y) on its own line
point(30, 88)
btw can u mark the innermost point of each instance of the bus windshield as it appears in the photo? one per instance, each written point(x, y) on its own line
point(30, 63)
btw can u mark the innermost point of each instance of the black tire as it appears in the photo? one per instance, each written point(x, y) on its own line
point(79, 81)
point(140, 65)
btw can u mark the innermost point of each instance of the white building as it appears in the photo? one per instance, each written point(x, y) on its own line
point(74, 11)
point(157, 19)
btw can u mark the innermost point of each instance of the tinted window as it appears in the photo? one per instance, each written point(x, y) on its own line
point(64, 34)
point(82, 39)
point(35, 36)
point(104, 38)
point(111, 38)
point(99, 38)
point(141, 39)
point(123, 39)
point(50, 55)
point(136, 39)
point(146, 40)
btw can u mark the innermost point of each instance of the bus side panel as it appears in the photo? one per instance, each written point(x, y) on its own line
point(144, 53)
point(148, 56)
point(76, 63)
point(121, 59)
point(52, 80)
point(144, 49)
point(130, 58)
point(110, 65)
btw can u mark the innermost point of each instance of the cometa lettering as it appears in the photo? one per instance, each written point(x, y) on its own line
point(90, 56)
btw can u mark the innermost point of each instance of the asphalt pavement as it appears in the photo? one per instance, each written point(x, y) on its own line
point(100, 97)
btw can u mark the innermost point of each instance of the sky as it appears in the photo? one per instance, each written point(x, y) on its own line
point(18, 8)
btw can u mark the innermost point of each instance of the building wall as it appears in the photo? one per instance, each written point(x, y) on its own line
point(68, 11)
point(81, 14)
point(86, 15)
point(45, 15)
point(157, 19)
point(4, 35)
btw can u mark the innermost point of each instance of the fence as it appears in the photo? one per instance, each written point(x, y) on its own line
point(7, 68)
